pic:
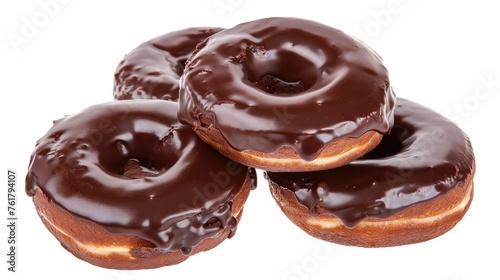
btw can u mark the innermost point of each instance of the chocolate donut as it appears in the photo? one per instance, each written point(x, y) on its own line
point(287, 94)
point(152, 70)
point(124, 185)
point(416, 185)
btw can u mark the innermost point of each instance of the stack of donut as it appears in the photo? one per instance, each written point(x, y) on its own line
point(150, 181)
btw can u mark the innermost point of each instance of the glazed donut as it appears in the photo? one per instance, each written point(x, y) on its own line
point(416, 185)
point(124, 185)
point(286, 94)
point(152, 70)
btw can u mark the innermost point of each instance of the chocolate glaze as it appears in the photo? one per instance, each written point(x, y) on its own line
point(186, 195)
point(152, 70)
point(253, 178)
point(280, 82)
point(424, 156)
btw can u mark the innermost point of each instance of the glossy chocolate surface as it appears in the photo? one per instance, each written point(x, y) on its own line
point(186, 195)
point(282, 82)
point(152, 70)
point(424, 156)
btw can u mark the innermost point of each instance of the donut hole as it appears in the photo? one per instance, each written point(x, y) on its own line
point(136, 170)
point(138, 157)
point(275, 85)
point(390, 145)
point(180, 65)
point(278, 72)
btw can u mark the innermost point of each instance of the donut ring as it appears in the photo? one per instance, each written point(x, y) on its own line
point(286, 94)
point(124, 185)
point(152, 70)
point(416, 185)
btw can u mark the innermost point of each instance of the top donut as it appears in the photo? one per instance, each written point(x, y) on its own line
point(287, 94)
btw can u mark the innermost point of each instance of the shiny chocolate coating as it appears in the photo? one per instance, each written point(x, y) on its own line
point(152, 70)
point(424, 156)
point(285, 82)
point(187, 191)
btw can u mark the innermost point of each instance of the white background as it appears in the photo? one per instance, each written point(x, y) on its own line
point(444, 55)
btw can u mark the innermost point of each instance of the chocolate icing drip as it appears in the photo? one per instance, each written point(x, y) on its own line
point(132, 168)
point(152, 70)
point(253, 177)
point(424, 156)
point(285, 82)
